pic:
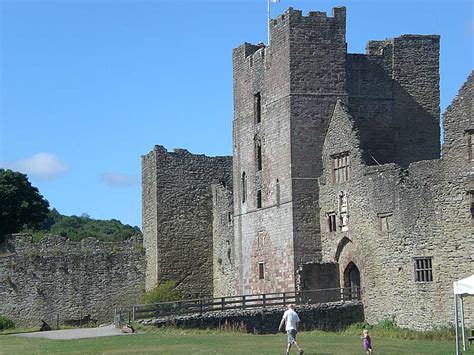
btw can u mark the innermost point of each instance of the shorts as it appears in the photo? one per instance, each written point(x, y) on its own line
point(291, 335)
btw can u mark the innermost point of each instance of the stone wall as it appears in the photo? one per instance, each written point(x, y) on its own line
point(394, 97)
point(396, 215)
point(328, 317)
point(56, 277)
point(177, 217)
point(224, 267)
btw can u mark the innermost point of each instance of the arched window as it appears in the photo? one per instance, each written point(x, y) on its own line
point(244, 187)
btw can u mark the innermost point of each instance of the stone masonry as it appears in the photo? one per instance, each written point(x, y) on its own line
point(177, 217)
point(337, 178)
point(56, 277)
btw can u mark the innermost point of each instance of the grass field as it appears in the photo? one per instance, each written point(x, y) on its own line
point(175, 341)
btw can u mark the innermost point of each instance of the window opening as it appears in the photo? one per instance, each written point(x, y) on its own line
point(257, 107)
point(261, 271)
point(259, 199)
point(423, 269)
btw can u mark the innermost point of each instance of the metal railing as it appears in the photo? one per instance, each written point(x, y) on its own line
point(201, 305)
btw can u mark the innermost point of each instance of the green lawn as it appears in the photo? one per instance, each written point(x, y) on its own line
point(208, 342)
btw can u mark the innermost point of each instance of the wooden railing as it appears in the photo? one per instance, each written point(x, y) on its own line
point(201, 305)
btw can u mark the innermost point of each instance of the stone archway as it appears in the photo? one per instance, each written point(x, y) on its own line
point(352, 280)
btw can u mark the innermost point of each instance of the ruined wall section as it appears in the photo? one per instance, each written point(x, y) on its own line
point(458, 121)
point(56, 277)
point(263, 234)
point(150, 217)
point(394, 95)
point(370, 89)
point(317, 79)
point(183, 235)
point(224, 257)
point(396, 215)
point(416, 97)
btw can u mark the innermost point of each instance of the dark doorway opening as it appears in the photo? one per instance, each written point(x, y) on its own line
point(352, 281)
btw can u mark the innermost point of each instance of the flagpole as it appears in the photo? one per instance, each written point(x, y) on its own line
point(268, 22)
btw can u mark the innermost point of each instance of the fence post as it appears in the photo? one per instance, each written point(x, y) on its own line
point(133, 313)
point(243, 301)
point(264, 301)
point(222, 303)
point(80, 320)
point(57, 321)
point(129, 317)
point(200, 306)
point(342, 294)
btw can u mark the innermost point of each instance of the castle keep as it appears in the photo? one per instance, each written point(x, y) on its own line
point(336, 179)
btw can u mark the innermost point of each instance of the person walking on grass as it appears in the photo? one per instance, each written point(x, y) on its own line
point(367, 342)
point(291, 321)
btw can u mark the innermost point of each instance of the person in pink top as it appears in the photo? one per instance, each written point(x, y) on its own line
point(291, 321)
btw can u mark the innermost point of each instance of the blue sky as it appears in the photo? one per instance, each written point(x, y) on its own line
point(87, 87)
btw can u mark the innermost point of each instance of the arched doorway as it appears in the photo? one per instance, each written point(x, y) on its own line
point(352, 280)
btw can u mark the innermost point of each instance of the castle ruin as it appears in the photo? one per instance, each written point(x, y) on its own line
point(336, 179)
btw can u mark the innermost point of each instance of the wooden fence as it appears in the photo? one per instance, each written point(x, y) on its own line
point(201, 305)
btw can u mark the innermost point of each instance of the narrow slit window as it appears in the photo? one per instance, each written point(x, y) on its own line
point(423, 269)
point(278, 192)
point(244, 187)
point(470, 145)
point(261, 271)
point(258, 151)
point(471, 197)
point(259, 199)
point(257, 99)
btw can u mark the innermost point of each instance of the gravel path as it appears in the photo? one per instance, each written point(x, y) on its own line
point(106, 331)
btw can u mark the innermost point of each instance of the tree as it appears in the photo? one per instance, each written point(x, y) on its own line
point(21, 204)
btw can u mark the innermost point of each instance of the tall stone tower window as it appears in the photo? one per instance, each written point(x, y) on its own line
point(341, 169)
point(423, 269)
point(244, 187)
point(259, 199)
point(261, 270)
point(258, 153)
point(331, 222)
point(257, 107)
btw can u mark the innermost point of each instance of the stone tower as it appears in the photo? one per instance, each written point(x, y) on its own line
point(283, 97)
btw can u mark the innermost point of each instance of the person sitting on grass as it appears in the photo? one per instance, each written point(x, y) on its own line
point(291, 321)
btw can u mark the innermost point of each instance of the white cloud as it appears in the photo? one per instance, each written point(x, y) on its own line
point(117, 179)
point(42, 166)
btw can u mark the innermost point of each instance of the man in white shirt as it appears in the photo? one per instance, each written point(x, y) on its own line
point(291, 320)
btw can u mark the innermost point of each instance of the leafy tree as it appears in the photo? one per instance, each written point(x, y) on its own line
point(81, 227)
point(21, 204)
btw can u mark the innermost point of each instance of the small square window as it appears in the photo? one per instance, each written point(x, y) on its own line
point(385, 222)
point(423, 269)
point(261, 271)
